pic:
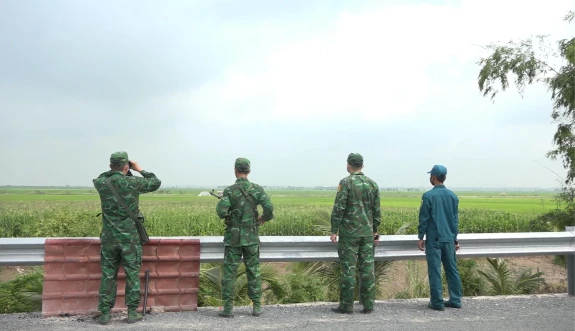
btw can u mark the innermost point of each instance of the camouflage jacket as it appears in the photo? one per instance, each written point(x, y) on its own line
point(356, 211)
point(240, 217)
point(117, 226)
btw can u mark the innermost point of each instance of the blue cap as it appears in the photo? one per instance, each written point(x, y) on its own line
point(438, 170)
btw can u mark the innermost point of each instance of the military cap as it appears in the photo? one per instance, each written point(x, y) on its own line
point(438, 170)
point(242, 164)
point(119, 158)
point(355, 159)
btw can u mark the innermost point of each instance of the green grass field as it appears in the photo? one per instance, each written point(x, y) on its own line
point(71, 212)
point(513, 202)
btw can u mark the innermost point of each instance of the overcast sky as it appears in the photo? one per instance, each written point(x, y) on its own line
point(187, 86)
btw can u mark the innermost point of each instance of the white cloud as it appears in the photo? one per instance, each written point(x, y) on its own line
point(290, 97)
point(372, 65)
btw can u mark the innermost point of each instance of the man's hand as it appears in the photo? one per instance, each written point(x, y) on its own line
point(261, 220)
point(375, 238)
point(421, 245)
point(136, 166)
point(457, 246)
point(333, 238)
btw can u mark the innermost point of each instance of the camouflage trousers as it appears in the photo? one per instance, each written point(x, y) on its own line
point(353, 253)
point(112, 255)
point(232, 258)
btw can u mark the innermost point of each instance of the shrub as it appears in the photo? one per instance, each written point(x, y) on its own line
point(303, 288)
point(23, 294)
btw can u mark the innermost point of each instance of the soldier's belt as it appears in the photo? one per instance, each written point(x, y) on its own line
point(242, 225)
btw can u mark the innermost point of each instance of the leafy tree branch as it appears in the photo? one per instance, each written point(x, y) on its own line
point(520, 63)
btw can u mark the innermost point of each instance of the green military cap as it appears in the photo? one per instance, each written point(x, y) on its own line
point(119, 158)
point(242, 164)
point(355, 159)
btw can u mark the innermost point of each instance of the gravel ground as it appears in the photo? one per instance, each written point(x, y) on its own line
point(508, 313)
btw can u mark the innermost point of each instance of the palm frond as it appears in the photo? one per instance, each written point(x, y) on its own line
point(212, 301)
point(498, 276)
point(381, 269)
point(271, 278)
point(527, 281)
point(330, 272)
point(210, 283)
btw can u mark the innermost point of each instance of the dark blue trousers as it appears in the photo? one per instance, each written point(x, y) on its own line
point(438, 253)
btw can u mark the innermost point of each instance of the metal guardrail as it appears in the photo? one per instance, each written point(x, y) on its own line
point(401, 247)
point(30, 251)
point(21, 251)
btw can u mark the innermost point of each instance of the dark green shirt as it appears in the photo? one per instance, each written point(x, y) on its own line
point(356, 211)
point(438, 215)
point(117, 226)
point(242, 228)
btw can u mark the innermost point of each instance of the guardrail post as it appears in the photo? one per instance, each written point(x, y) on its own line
point(570, 267)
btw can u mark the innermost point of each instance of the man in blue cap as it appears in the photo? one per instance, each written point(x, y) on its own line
point(438, 222)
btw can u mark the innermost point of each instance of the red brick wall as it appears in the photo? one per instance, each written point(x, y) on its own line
point(72, 276)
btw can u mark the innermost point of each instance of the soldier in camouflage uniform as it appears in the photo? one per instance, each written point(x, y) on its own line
point(120, 242)
point(355, 217)
point(238, 206)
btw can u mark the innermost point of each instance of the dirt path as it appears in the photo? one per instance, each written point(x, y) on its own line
point(9, 273)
